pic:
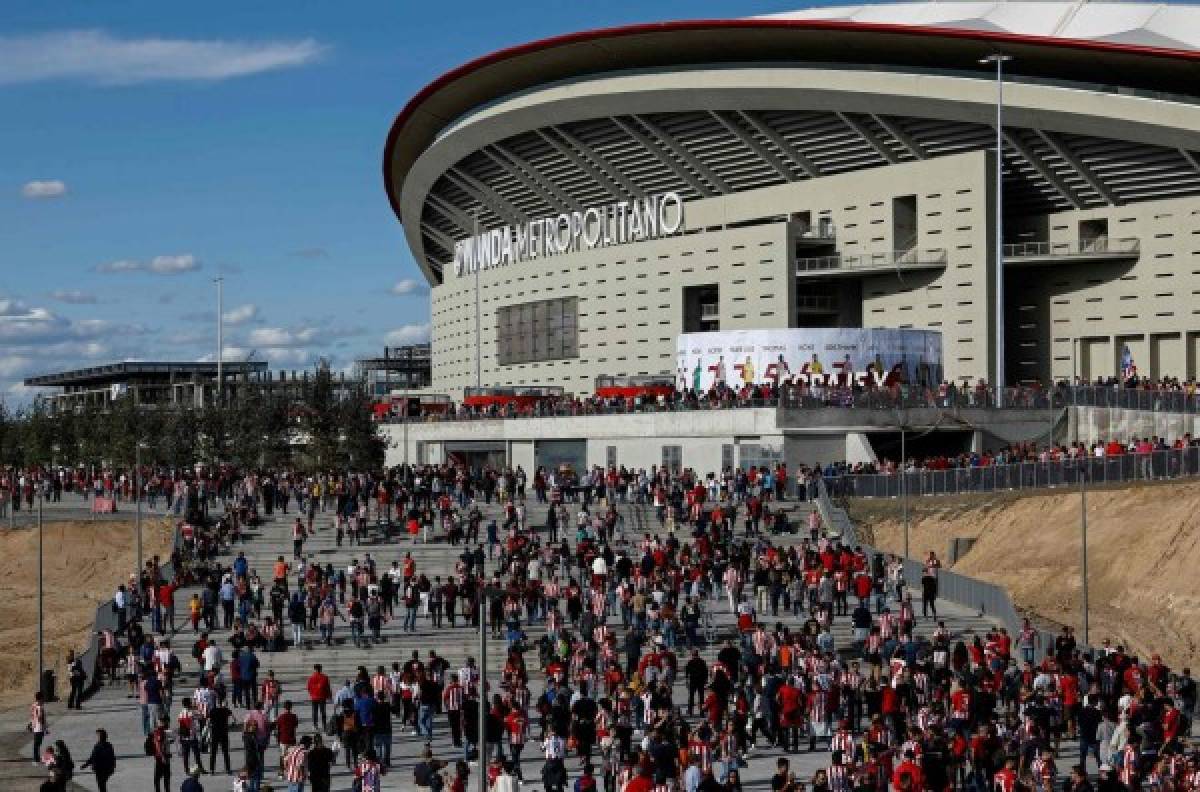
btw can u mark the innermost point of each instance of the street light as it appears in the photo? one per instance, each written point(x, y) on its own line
point(1083, 528)
point(220, 339)
point(137, 499)
point(486, 593)
point(999, 60)
point(41, 642)
point(478, 338)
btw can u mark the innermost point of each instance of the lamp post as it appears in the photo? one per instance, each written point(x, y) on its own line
point(1083, 529)
point(999, 60)
point(904, 482)
point(41, 641)
point(485, 595)
point(220, 340)
point(478, 337)
point(137, 499)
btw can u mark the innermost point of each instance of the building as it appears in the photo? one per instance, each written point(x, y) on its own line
point(402, 368)
point(148, 384)
point(176, 385)
point(577, 203)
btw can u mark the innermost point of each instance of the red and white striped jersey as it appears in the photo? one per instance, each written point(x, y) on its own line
point(1129, 763)
point(624, 776)
point(295, 765)
point(839, 779)
point(381, 683)
point(843, 741)
point(1042, 772)
point(727, 744)
point(452, 697)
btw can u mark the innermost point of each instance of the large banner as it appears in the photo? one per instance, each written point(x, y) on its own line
point(829, 356)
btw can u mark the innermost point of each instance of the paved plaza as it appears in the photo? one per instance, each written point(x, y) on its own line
point(111, 708)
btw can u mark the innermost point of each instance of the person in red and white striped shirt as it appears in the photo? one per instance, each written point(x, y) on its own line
point(295, 764)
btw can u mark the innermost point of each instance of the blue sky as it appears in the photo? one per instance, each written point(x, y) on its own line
point(149, 147)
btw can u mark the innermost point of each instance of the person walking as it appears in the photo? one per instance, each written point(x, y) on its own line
point(319, 695)
point(102, 761)
point(37, 725)
point(295, 765)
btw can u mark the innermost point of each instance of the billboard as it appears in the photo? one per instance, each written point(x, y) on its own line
point(829, 356)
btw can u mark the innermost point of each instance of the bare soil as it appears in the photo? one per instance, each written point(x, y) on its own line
point(1143, 556)
point(83, 562)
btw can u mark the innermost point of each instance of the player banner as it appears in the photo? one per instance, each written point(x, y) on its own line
point(829, 356)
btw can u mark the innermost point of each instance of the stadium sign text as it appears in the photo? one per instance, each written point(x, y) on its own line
point(595, 227)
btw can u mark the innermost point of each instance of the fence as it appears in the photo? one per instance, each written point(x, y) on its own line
point(812, 397)
point(1158, 465)
point(986, 599)
point(106, 619)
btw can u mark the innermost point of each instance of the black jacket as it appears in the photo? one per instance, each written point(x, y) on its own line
point(103, 759)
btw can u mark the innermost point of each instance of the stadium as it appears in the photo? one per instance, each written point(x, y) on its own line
point(831, 167)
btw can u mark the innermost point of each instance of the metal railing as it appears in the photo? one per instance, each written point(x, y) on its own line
point(815, 397)
point(816, 302)
point(1100, 246)
point(896, 259)
point(987, 599)
point(1128, 467)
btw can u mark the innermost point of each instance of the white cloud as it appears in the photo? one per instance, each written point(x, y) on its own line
point(282, 336)
point(73, 297)
point(406, 286)
point(95, 56)
point(159, 265)
point(407, 334)
point(241, 314)
point(41, 188)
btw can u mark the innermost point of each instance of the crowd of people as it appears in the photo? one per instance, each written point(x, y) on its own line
point(841, 390)
point(615, 673)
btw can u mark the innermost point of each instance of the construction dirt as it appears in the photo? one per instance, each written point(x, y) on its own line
point(1143, 556)
point(84, 562)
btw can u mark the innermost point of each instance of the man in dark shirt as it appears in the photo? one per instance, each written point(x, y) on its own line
point(218, 735)
point(381, 728)
point(697, 676)
point(320, 763)
point(103, 760)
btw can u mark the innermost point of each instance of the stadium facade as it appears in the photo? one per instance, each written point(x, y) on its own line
point(578, 203)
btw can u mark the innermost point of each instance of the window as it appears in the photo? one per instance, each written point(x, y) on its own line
point(610, 456)
point(727, 456)
point(672, 457)
point(534, 331)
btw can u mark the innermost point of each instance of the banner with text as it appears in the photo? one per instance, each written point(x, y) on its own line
point(829, 356)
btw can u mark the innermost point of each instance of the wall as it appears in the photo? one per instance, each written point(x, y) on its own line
point(1074, 318)
point(631, 296)
point(1099, 424)
point(954, 213)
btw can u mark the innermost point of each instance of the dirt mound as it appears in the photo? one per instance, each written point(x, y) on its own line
point(83, 564)
point(1143, 550)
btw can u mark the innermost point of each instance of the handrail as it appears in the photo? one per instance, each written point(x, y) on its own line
point(872, 261)
point(1080, 247)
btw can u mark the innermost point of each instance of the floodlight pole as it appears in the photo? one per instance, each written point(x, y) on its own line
point(220, 339)
point(478, 337)
point(999, 60)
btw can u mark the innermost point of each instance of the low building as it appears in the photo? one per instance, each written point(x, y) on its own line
point(148, 384)
point(402, 368)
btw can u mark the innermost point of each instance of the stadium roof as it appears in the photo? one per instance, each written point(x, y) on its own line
point(1159, 25)
point(1136, 50)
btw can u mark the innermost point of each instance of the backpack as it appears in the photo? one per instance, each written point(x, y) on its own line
point(148, 745)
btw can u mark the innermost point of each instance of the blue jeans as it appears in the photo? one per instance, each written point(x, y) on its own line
point(410, 619)
point(425, 720)
point(295, 786)
point(383, 748)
